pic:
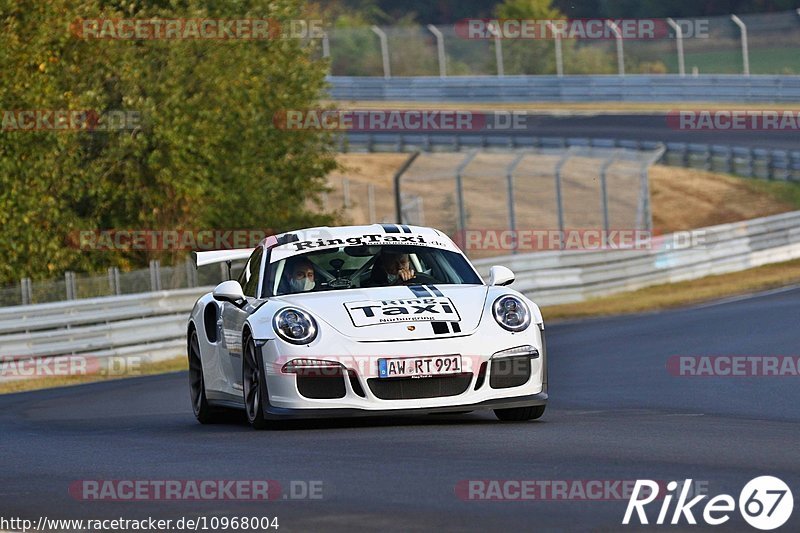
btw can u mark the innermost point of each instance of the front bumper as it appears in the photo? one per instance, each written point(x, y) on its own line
point(286, 401)
point(284, 413)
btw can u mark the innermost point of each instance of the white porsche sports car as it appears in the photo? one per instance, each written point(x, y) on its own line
point(364, 320)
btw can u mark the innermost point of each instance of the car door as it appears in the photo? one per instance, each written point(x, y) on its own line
point(234, 317)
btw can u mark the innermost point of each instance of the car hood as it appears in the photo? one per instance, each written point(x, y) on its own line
point(397, 313)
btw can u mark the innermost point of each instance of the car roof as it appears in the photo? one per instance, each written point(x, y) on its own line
point(298, 241)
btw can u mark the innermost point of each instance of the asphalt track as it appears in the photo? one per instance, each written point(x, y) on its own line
point(615, 414)
point(648, 127)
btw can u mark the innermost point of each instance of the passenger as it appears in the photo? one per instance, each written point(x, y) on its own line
point(300, 275)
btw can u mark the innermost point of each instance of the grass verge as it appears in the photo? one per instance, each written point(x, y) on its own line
point(681, 294)
point(145, 369)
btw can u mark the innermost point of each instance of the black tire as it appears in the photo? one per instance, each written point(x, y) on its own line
point(520, 414)
point(204, 413)
point(254, 385)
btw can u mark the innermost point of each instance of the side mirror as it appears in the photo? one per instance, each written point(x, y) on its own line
point(500, 275)
point(229, 291)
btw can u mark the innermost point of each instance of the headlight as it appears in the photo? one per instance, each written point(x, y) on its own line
point(512, 313)
point(295, 325)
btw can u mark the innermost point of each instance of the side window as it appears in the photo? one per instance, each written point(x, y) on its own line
point(250, 274)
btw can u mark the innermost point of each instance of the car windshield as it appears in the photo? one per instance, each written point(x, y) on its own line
point(348, 267)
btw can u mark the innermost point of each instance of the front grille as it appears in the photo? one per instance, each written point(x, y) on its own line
point(510, 372)
point(321, 387)
point(413, 388)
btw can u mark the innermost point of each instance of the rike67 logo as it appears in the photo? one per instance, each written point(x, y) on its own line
point(765, 503)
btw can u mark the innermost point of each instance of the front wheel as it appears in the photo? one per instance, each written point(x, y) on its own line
point(254, 385)
point(520, 414)
point(197, 385)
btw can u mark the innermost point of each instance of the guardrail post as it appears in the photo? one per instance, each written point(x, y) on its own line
point(604, 194)
point(69, 279)
point(113, 281)
point(679, 42)
point(439, 50)
point(745, 50)
point(559, 54)
point(387, 69)
point(398, 199)
point(371, 203)
point(155, 275)
point(25, 289)
point(498, 50)
point(794, 165)
point(644, 188)
point(326, 45)
point(512, 218)
point(620, 52)
point(559, 198)
point(346, 192)
point(191, 273)
point(462, 212)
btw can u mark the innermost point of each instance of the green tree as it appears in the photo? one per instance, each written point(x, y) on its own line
point(207, 154)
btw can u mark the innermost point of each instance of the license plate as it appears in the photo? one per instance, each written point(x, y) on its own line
point(419, 366)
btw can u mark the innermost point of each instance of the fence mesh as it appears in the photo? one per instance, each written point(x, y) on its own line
point(538, 178)
point(81, 285)
point(712, 45)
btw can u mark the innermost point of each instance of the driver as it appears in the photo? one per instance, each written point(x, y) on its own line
point(391, 268)
point(300, 275)
point(397, 267)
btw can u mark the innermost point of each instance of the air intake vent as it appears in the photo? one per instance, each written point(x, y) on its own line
point(322, 387)
point(413, 388)
point(509, 372)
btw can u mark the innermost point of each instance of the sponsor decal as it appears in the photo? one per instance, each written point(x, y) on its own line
point(373, 239)
point(371, 312)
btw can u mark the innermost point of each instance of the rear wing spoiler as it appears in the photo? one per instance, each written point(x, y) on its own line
point(221, 256)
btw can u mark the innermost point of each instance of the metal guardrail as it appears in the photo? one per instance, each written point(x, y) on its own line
point(596, 88)
point(551, 278)
point(774, 164)
point(152, 325)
